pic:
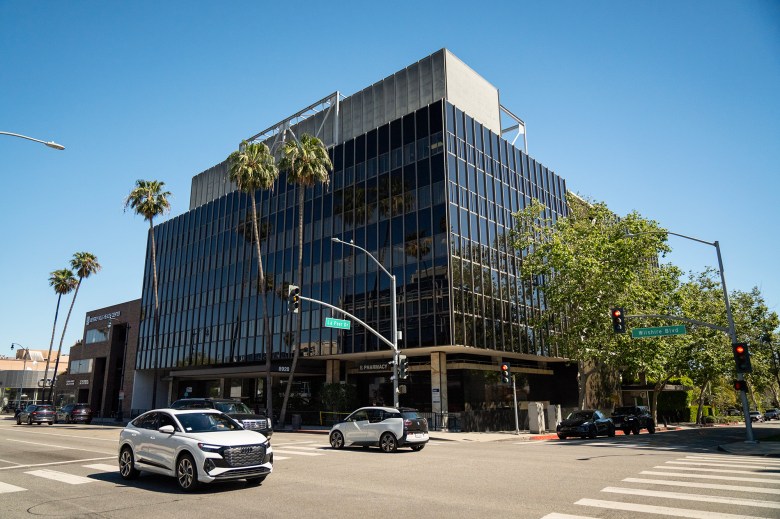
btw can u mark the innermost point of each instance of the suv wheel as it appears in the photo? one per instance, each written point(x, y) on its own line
point(626, 431)
point(611, 431)
point(337, 440)
point(186, 473)
point(127, 464)
point(651, 428)
point(592, 432)
point(388, 442)
point(636, 429)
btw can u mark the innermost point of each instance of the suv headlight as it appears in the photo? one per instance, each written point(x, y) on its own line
point(207, 447)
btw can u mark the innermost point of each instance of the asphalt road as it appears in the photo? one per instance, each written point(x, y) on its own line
point(69, 471)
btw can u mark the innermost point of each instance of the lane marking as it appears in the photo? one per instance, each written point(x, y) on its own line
point(709, 476)
point(60, 476)
point(57, 446)
point(33, 432)
point(30, 465)
point(303, 447)
point(105, 467)
point(713, 486)
point(299, 453)
point(663, 510)
point(692, 497)
point(6, 488)
point(556, 515)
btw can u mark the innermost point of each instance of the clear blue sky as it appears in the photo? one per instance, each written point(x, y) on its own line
point(670, 108)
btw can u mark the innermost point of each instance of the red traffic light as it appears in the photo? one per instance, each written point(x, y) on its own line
point(504, 367)
point(740, 385)
point(616, 313)
point(739, 348)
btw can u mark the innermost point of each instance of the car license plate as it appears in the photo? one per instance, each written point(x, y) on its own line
point(418, 435)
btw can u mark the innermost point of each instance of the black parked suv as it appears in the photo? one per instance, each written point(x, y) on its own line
point(235, 409)
point(71, 413)
point(633, 418)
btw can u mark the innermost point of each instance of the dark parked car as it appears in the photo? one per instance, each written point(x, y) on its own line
point(36, 413)
point(772, 414)
point(235, 409)
point(633, 418)
point(587, 423)
point(70, 413)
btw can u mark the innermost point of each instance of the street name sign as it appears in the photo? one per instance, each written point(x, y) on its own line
point(659, 331)
point(342, 324)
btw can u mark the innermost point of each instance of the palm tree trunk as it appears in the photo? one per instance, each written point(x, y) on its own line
point(269, 407)
point(297, 340)
point(51, 345)
point(156, 332)
point(62, 337)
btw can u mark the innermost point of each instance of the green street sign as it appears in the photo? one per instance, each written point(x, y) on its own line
point(659, 331)
point(342, 324)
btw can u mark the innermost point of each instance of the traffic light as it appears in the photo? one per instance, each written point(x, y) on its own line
point(293, 298)
point(742, 357)
point(403, 367)
point(618, 320)
point(506, 372)
point(740, 385)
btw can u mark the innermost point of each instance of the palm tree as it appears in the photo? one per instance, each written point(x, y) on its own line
point(252, 167)
point(307, 163)
point(85, 264)
point(63, 283)
point(149, 200)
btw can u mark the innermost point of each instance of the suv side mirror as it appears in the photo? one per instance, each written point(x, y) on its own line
point(166, 429)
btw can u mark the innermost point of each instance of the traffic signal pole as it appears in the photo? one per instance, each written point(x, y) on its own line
point(731, 330)
point(733, 336)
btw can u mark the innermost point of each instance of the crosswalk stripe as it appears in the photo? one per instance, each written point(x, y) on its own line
point(759, 503)
point(279, 458)
point(105, 467)
point(725, 471)
point(299, 453)
point(709, 476)
point(663, 510)
point(556, 515)
point(303, 447)
point(745, 459)
point(60, 476)
point(713, 486)
point(5, 488)
point(716, 464)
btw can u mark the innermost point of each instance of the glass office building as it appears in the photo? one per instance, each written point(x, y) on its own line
point(424, 180)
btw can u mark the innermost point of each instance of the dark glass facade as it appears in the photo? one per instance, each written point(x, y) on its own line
point(430, 195)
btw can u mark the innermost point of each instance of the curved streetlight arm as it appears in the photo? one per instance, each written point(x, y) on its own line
point(50, 144)
point(352, 244)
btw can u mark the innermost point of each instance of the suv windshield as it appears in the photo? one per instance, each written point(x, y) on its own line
point(206, 422)
point(232, 407)
point(627, 410)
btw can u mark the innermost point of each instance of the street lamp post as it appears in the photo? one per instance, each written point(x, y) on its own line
point(394, 318)
point(50, 144)
point(24, 370)
point(729, 316)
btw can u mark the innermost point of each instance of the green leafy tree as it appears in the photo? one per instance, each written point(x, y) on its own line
point(583, 265)
point(84, 264)
point(307, 163)
point(252, 168)
point(63, 282)
point(150, 200)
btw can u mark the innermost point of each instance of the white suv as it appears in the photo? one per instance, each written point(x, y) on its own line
point(385, 427)
point(194, 446)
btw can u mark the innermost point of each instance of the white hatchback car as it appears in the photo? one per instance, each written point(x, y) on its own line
point(385, 427)
point(195, 446)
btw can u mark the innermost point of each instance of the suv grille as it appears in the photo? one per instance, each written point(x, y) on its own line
point(255, 425)
point(244, 455)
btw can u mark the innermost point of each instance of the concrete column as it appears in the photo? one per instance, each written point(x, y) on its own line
point(332, 371)
point(536, 417)
point(439, 398)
